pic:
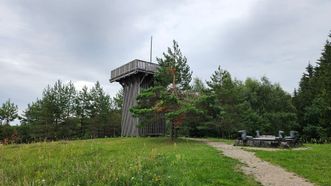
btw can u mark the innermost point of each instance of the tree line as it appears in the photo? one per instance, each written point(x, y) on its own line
point(313, 98)
point(223, 105)
point(218, 107)
point(63, 113)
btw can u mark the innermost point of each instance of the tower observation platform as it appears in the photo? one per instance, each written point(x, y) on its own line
point(135, 76)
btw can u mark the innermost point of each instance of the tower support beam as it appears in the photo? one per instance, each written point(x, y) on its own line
point(133, 77)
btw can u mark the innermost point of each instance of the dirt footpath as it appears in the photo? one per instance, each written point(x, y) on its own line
point(264, 172)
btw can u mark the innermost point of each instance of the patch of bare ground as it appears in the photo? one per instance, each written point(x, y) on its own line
point(264, 172)
point(273, 149)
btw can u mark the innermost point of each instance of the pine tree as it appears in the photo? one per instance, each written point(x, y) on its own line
point(64, 113)
point(8, 112)
point(313, 98)
point(226, 93)
point(173, 65)
point(83, 111)
point(100, 111)
point(305, 95)
point(118, 100)
point(168, 95)
point(323, 77)
point(198, 86)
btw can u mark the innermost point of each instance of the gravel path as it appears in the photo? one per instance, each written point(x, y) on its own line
point(273, 149)
point(264, 172)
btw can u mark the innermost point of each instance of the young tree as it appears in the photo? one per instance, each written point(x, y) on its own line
point(8, 112)
point(173, 69)
point(64, 113)
point(84, 111)
point(34, 119)
point(118, 100)
point(53, 115)
point(100, 112)
point(227, 95)
point(168, 95)
point(305, 94)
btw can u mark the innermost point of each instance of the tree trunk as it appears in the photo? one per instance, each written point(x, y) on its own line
point(172, 131)
point(176, 130)
point(219, 132)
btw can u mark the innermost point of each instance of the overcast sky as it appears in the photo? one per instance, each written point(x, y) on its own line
point(43, 41)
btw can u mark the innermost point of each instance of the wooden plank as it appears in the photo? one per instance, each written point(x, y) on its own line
point(132, 67)
point(135, 76)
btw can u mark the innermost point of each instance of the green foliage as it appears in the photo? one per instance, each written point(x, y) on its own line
point(121, 161)
point(221, 109)
point(228, 105)
point(168, 103)
point(173, 60)
point(50, 116)
point(313, 99)
point(64, 113)
point(118, 100)
point(8, 112)
point(8, 134)
point(198, 86)
point(313, 163)
point(206, 118)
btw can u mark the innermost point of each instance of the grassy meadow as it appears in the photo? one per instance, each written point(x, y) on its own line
point(118, 161)
point(313, 163)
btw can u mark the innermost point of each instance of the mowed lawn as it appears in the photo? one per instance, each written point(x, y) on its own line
point(118, 161)
point(313, 163)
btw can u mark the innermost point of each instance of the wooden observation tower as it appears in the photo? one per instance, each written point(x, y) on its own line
point(133, 77)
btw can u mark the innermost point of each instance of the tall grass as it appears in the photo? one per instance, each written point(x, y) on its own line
point(119, 161)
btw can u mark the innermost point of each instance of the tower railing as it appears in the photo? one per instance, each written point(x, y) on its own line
point(134, 66)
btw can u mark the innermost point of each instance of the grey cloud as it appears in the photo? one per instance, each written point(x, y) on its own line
point(277, 39)
point(42, 41)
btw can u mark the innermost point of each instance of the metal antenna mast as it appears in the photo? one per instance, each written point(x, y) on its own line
point(151, 50)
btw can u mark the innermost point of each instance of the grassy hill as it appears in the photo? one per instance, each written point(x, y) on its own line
point(118, 161)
